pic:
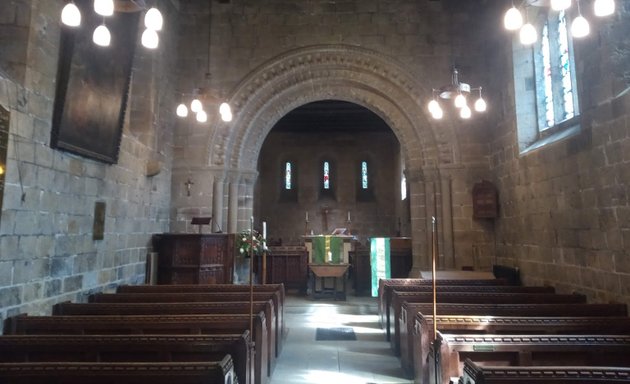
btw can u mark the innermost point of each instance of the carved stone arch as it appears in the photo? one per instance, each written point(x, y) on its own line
point(353, 74)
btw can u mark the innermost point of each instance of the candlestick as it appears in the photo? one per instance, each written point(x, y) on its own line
point(264, 235)
point(307, 216)
point(348, 216)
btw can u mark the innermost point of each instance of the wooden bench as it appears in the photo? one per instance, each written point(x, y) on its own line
point(277, 289)
point(572, 323)
point(475, 374)
point(240, 307)
point(163, 324)
point(386, 286)
point(458, 288)
point(130, 348)
point(523, 350)
point(217, 372)
point(398, 298)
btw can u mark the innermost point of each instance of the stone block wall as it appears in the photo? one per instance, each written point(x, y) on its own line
point(565, 206)
point(47, 250)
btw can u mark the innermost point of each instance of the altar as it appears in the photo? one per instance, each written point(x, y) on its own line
point(328, 265)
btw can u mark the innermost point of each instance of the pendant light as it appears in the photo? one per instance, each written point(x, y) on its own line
point(527, 34)
point(195, 105)
point(182, 110)
point(150, 39)
point(70, 15)
point(580, 27)
point(202, 116)
point(480, 103)
point(104, 7)
point(513, 19)
point(101, 36)
point(153, 19)
point(604, 7)
point(456, 91)
point(465, 112)
point(560, 5)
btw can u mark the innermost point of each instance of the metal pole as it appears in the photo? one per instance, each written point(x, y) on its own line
point(436, 344)
point(251, 277)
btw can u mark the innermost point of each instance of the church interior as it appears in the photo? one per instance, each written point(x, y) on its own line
point(377, 161)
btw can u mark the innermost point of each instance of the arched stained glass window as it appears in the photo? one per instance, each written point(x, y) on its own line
point(288, 181)
point(364, 175)
point(326, 179)
point(403, 188)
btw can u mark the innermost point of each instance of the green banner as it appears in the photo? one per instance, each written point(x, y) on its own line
point(379, 261)
point(327, 249)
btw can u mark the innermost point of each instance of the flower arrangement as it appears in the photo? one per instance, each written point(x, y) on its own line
point(244, 243)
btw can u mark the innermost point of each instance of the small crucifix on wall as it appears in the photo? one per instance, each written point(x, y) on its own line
point(188, 184)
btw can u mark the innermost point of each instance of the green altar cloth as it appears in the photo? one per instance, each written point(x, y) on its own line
point(324, 244)
point(379, 261)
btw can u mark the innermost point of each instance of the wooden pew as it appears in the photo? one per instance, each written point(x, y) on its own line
point(240, 307)
point(398, 298)
point(162, 324)
point(130, 348)
point(523, 350)
point(572, 323)
point(389, 315)
point(217, 372)
point(386, 286)
point(475, 374)
point(277, 289)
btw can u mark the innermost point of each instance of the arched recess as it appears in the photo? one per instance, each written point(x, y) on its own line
point(346, 73)
point(367, 78)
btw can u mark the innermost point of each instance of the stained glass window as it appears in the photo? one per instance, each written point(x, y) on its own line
point(287, 176)
point(565, 68)
point(326, 175)
point(403, 188)
point(364, 175)
point(546, 59)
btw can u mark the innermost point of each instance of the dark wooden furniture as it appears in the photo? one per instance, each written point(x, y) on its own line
point(523, 350)
point(162, 324)
point(217, 372)
point(287, 265)
point(277, 291)
point(511, 318)
point(401, 261)
point(194, 258)
point(476, 374)
point(130, 348)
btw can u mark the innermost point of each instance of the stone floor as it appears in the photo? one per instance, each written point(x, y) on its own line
point(366, 360)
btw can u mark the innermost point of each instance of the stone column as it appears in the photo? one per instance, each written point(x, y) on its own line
point(233, 206)
point(448, 261)
point(418, 214)
point(217, 204)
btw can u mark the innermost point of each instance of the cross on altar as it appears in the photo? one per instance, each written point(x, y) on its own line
point(324, 211)
point(188, 184)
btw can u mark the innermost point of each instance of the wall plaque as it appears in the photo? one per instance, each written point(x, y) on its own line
point(5, 118)
point(485, 200)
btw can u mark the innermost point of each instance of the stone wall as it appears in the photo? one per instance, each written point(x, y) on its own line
point(565, 217)
point(47, 253)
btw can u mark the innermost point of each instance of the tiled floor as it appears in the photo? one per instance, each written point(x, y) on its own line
point(366, 360)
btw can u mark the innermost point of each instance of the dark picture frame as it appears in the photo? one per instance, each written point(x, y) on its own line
point(93, 85)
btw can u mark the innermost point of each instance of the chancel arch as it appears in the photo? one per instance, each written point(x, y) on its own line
point(343, 73)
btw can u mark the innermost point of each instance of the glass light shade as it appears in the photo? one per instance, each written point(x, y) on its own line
point(227, 117)
point(182, 111)
point(580, 27)
point(104, 7)
point(101, 36)
point(433, 105)
point(437, 113)
point(195, 105)
point(513, 19)
point(153, 19)
point(560, 5)
point(202, 117)
point(465, 112)
point(1, 170)
point(604, 7)
point(150, 39)
point(70, 15)
point(460, 101)
point(224, 108)
point(528, 34)
point(480, 105)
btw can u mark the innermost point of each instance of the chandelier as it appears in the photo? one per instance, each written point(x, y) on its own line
point(458, 92)
point(513, 18)
point(153, 21)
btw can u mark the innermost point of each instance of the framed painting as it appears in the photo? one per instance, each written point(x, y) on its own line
point(93, 85)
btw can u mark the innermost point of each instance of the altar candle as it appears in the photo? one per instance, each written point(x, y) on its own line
point(348, 215)
point(307, 216)
point(264, 230)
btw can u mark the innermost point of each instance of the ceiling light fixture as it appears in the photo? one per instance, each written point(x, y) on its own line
point(513, 19)
point(70, 15)
point(459, 92)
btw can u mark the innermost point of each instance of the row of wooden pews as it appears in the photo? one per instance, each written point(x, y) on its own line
point(490, 331)
point(166, 333)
